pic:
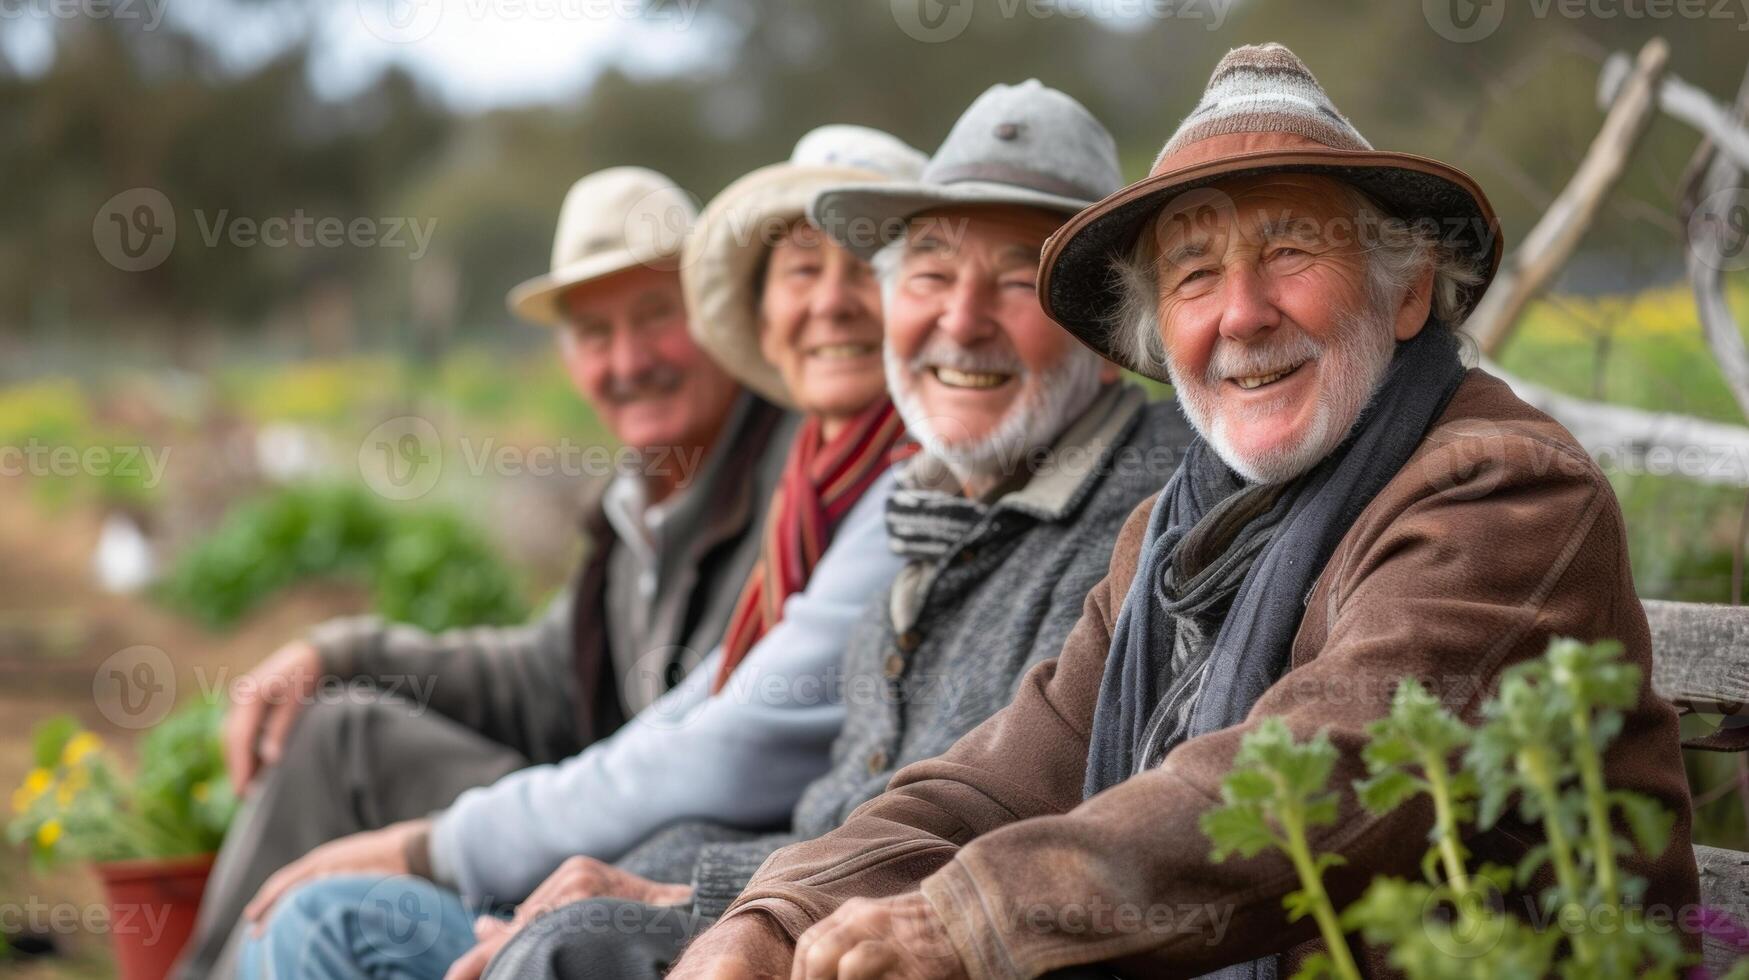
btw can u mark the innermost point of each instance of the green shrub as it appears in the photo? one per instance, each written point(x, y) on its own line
point(425, 567)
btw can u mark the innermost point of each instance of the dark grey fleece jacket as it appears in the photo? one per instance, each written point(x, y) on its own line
point(954, 636)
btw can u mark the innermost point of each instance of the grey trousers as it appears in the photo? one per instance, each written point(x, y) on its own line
point(613, 939)
point(347, 767)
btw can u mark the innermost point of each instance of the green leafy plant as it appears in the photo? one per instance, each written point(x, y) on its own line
point(78, 802)
point(1276, 792)
point(426, 567)
point(1539, 751)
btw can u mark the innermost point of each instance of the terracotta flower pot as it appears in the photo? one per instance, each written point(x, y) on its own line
point(152, 904)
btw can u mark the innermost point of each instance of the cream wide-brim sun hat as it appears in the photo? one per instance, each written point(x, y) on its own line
point(613, 220)
point(724, 256)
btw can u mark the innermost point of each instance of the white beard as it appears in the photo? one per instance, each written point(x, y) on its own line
point(1351, 365)
point(1050, 402)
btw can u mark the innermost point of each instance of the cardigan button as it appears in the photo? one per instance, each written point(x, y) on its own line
point(877, 762)
point(894, 667)
point(910, 640)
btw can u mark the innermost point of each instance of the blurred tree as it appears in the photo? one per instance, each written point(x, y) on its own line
point(120, 107)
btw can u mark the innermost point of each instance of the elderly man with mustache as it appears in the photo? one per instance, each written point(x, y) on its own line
point(1034, 454)
point(1359, 509)
point(668, 543)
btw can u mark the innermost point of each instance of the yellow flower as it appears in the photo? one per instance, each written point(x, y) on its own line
point(34, 786)
point(48, 833)
point(201, 792)
point(80, 746)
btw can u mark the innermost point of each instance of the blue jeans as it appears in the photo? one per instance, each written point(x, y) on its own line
point(353, 928)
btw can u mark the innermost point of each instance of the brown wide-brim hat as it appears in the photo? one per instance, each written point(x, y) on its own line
point(1262, 113)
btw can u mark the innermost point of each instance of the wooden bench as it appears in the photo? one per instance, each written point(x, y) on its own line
point(1700, 662)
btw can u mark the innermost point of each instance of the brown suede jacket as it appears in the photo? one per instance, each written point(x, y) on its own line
point(1498, 534)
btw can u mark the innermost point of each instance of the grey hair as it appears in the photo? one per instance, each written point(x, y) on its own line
point(1397, 252)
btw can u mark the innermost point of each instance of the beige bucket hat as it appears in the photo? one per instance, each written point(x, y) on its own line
point(724, 253)
point(611, 221)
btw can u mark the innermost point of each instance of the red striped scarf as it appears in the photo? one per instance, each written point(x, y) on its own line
point(821, 481)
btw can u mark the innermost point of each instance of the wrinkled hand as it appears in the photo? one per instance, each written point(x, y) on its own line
point(745, 947)
point(898, 937)
point(577, 879)
point(379, 852)
point(264, 704)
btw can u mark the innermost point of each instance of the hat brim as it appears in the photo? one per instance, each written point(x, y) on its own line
point(537, 300)
point(1078, 285)
point(865, 218)
point(725, 252)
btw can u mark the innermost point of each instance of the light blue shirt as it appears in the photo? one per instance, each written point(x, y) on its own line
point(741, 757)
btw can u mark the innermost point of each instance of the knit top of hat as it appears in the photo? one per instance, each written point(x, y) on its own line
point(1262, 88)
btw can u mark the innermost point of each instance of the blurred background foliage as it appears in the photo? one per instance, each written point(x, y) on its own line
point(119, 106)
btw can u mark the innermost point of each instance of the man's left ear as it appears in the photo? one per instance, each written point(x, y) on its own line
point(1417, 301)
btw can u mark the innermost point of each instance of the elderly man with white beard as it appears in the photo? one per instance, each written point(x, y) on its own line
point(1359, 509)
point(1033, 454)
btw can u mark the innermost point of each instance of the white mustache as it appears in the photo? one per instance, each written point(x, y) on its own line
point(987, 359)
point(1232, 360)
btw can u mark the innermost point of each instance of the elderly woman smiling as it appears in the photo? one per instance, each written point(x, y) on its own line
point(797, 318)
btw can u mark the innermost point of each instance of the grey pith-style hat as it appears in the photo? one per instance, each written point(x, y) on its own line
point(1262, 112)
point(729, 242)
point(1025, 145)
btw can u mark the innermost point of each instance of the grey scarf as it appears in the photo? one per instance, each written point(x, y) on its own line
point(1225, 571)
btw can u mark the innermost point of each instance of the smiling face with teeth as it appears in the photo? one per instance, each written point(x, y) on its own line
point(979, 371)
point(820, 326)
point(1274, 341)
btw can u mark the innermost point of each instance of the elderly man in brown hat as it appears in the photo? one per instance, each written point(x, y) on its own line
point(670, 541)
point(1359, 509)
